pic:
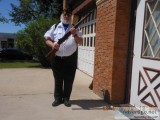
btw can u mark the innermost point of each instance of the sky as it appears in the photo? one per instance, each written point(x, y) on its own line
point(4, 10)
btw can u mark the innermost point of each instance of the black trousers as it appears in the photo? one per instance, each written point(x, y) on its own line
point(64, 69)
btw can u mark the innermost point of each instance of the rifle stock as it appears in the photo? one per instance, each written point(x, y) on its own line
point(50, 55)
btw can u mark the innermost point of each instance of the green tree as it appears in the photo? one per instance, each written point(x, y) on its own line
point(30, 10)
point(2, 18)
point(38, 16)
point(24, 41)
point(32, 39)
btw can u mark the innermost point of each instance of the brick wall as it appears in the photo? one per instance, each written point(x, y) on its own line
point(112, 25)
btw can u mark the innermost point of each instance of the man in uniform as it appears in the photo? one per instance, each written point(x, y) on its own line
point(64, 63)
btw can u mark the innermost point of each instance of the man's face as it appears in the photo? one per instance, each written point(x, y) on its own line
point(66, 18)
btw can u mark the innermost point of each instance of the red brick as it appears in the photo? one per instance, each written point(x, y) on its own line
point(111, 47)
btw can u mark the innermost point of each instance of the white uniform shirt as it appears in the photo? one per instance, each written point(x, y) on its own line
point(69, 46)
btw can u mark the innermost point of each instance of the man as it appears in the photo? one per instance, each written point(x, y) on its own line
point(64, 63)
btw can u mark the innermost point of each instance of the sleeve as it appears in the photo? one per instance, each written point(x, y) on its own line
point(79, 32)
point(49, 33)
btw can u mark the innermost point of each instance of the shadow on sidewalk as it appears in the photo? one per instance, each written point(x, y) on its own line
point(89, 104)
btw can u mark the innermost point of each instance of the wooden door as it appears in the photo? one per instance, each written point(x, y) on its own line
point(145, 84)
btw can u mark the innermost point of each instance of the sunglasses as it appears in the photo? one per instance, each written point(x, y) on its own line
point(67, 14)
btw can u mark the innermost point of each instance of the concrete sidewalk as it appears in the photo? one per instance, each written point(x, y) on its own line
point(27, 94)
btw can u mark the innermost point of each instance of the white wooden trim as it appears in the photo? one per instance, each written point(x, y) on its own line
point(86, 50)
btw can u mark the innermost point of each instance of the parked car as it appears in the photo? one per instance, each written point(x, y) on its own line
point(14, 54)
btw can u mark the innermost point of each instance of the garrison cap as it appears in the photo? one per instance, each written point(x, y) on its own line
point(67, 11)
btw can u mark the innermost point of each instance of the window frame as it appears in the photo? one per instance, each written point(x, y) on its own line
point(143, 48)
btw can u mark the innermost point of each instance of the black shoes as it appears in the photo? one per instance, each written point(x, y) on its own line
point(57, 102)
point(67, 102)
point(60, 101)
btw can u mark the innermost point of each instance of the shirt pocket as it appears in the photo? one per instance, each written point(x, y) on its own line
point(58, 33)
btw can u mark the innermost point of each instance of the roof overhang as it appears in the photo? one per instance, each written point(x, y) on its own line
point(82, 7)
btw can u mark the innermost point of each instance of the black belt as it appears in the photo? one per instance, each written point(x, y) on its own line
point(62, 57)
point(65, 57)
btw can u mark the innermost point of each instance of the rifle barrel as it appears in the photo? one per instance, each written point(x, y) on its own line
point(51, 54)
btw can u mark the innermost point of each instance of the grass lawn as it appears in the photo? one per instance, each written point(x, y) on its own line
point(19, 64)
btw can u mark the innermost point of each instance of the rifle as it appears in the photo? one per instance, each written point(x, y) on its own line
point(51, 54)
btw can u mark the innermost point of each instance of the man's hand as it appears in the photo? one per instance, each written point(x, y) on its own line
point(55, 46)
point(76, 37)
point(73, 31)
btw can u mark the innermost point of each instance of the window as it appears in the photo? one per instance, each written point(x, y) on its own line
point(10, 43)
point(151, 33)
point(4, 44)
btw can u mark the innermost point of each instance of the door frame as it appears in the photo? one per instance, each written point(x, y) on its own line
point(130, 51)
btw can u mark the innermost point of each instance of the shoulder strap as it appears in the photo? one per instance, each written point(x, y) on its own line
point(55, 26)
